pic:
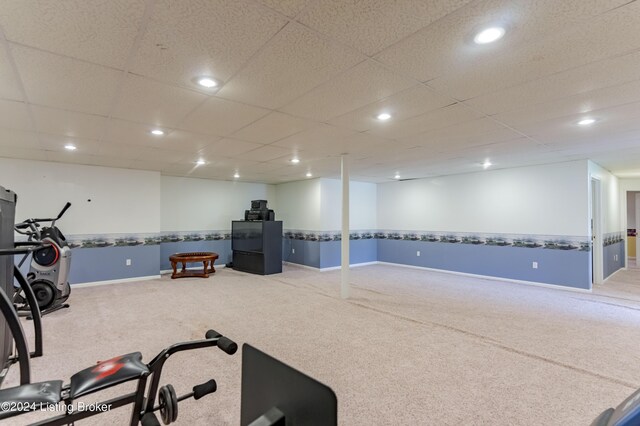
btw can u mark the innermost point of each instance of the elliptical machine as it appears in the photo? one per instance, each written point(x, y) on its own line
point(48, 273)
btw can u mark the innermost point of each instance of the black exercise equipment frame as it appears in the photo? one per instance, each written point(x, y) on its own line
point(8, 311)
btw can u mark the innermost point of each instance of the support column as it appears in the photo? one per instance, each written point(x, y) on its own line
point(344, 288)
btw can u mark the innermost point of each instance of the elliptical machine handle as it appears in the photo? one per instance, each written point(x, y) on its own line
point(64, 209)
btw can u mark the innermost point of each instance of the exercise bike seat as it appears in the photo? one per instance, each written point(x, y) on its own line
point(30, 396)
point(106, 374)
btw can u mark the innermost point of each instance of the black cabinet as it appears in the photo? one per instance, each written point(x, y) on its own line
point(257, 246)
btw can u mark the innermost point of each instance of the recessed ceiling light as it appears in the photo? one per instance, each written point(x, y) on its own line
point(236, 175)
point(295, 160)
point(309, 174)
point(157, 132)
point(586, 121)
point(383, 116)
point(487, 164)
point(489, 35)
point(70, 147)
point(397, 176)
point(207, 82)
point(200, 162)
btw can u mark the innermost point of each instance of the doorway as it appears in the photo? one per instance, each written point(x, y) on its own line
point(633, 218)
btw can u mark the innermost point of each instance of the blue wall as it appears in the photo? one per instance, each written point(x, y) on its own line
point(561, 261)
point(327, 254)
point(222, 247)
point(614, 255)
point(109, 263)
point(561, 267)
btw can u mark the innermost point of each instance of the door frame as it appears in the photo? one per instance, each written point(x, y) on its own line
point(595, 230)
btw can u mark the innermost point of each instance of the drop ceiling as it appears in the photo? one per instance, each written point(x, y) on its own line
point(307, 78)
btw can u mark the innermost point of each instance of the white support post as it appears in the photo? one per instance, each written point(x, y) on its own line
point(344, 288)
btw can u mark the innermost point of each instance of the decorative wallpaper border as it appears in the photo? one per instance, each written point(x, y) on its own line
point(555, 242)
point(148, 239)
point(612, 238)
point(188, 236)
point(112, 240)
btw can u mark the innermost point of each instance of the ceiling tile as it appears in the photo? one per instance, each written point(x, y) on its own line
point(409, 103)
point(60, 82)
point(162, 155)
point(116, 150)
point(22, 153)
point(273, 127)
point(57, 143)
point(289, 7)
point(91, 160)
point(537, 34)
point(147, 101)
point(189, 38)
point(92, 30)
point(265, 153)
point(610, 120)
point(14, 115)
point(363, 84)
point(469, 133)
point(181, 140)
point(68, 123)
point(318, 135)
point(9, 87)
point(293, 63)
point(221, 117)
point(372, 25)
point(18, 138)
point(126, 132)
point(433, 120)
point(582, 103)
point(227, 147)
point(153, 165)
point(579, 80)
point(178, 169)
point(568, 46)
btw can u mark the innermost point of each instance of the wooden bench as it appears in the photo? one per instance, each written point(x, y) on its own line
point(207, 259)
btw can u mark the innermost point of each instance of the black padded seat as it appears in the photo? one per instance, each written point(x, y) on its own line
point(107, 373)
point(27, 397)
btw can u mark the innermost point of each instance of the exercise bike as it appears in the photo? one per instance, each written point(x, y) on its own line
point(48, 273)
point(47, 395)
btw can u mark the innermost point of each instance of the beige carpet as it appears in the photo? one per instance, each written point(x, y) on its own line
point(410, 347)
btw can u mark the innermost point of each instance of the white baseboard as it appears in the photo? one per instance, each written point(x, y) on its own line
point(123, 280)
point(491, 277)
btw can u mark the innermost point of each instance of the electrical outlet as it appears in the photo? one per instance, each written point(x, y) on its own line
point(534, 265)
point(293, 251)
point(418, 253)
point(615, 257)
point(128, 262)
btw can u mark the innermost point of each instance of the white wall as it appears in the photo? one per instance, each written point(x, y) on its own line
point(541, 200)
point(362, 205)
point(122, 200)
point(299, 205)
point(610, 196)
point(202, 204)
